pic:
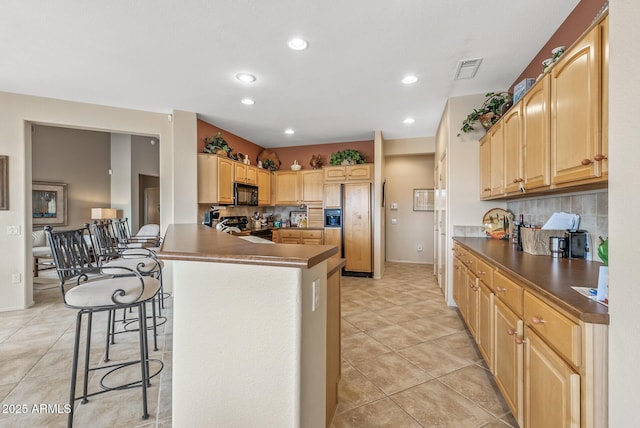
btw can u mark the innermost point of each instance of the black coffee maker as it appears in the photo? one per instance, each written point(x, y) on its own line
point(578, 244)
point(211, 217)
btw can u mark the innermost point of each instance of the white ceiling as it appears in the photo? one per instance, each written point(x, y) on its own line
point(160, 55)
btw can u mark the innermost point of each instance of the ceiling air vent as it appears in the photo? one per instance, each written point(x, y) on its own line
point(467, 68)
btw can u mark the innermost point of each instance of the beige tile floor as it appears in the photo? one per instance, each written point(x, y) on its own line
point(36, 347)
point(408, 361)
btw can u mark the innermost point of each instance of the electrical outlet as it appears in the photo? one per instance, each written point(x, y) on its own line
point(315, 295)
point(394, 221)
point(419, 247)
point(13, 230)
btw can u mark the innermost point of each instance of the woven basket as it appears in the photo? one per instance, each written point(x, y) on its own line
point(536, 241)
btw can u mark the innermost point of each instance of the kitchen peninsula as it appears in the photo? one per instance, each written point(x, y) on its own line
point(250, 326)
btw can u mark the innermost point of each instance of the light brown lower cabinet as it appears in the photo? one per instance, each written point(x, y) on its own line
point(508, 357)
point(298, 236)
point(550, 367)
point(551, 386)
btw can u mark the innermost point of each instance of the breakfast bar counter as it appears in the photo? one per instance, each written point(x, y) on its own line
point(249, 329)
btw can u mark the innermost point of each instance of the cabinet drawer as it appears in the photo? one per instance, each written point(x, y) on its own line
point(311, 234)
point(469, 261)
point(508, 291)
point(556, 329)
point(484, 271)
point(290, 234)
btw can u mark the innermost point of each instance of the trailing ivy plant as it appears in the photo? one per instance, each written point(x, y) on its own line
point(491, 110)
point(216, 144)
point(346, 156)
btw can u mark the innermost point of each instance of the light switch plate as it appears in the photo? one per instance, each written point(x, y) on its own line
point(394, 221)
point(394, 205)
point(13, 230)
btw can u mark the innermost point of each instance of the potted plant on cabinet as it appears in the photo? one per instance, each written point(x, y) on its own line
point(346, 157)
point(496, 104)
point(217, 144)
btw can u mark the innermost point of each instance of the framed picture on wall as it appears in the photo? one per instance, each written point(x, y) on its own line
point(4, 182)
point(423, 199)
point(49, 203)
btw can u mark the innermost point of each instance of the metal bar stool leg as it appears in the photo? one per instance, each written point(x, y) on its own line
point(74, 369)
point(110, 332)
point(87, 358)
point(144, 359)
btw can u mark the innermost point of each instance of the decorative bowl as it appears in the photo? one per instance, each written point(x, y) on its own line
point(295, 167)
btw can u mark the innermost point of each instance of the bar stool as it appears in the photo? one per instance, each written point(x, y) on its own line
point(90, 289)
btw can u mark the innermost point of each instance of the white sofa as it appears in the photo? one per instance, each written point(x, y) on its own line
point(40, 249)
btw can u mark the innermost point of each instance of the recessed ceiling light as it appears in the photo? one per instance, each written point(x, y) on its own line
point(409, 120)
point(298, 44)
point(248, 101)
point(246, 77)
point(407, 80)
point(289, 131)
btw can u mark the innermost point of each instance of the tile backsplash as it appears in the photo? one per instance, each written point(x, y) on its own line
point(592, 207)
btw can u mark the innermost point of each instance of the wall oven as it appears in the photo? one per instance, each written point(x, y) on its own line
point(245, 194)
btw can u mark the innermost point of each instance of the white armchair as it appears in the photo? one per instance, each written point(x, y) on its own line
point(40, 249)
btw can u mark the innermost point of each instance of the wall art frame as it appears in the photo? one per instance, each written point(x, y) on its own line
point(4, 182)
point(423, 199)
point(49, 203)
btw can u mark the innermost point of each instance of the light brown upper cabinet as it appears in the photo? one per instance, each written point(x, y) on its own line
point(239, 172)
point(576, 141)
point(497, 159)
point(604, 31)
point(264, 187)
point(512, 140)
point(215, 179)
point(252, 175)
point(311, 186)
point(485, 166)
point(535, 135)
point(333, 195)
point(343, 173)
point(286, 188)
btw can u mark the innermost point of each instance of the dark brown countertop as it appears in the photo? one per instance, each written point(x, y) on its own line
point(548, 277)
point(196, 242)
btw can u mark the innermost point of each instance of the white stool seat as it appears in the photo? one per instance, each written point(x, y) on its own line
point(99, 293)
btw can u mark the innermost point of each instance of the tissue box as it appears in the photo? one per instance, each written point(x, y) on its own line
point(536, 241)
point(521, 88)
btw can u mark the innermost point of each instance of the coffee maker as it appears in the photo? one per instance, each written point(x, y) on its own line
point(578, 244)
point(211, 217)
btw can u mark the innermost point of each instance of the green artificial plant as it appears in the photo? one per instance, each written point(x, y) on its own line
point(346, 157)
point(216, 144)
point(603, 251)
point(496, 104)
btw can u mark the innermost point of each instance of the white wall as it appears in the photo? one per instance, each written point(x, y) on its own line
point(145, 160)
point(624, 206)
point(463, 205)
point(412, 228)
point(18, 112)
point(79, 158)
point(121, 196)
point(379, 243)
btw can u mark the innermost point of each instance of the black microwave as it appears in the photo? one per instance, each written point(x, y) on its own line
point(245, 194)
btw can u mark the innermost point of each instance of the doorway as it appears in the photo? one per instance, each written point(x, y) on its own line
point(149, 203)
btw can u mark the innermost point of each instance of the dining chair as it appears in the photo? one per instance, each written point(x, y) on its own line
point(90, 289)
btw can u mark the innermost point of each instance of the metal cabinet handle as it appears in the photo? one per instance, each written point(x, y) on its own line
point(537, 320)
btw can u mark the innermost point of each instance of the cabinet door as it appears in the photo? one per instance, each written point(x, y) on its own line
point(551, 387)
point(497, 160)
point(575, 112)
point(286, 188)
point(333, 195)
point(335, 173)
point(535, 128)
point(264, 187)
point(512, 136)
point(207, 180)
point(508, 358)
point(604, 27)
point(357, 226)
point(239, 172)
point(359, 172)
point(333, 236)
point(311, 186)
point(311, 237)
point(225, 180)
point(485, 167)
point(252, 175)
point(485, 324)
point(473, 300)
